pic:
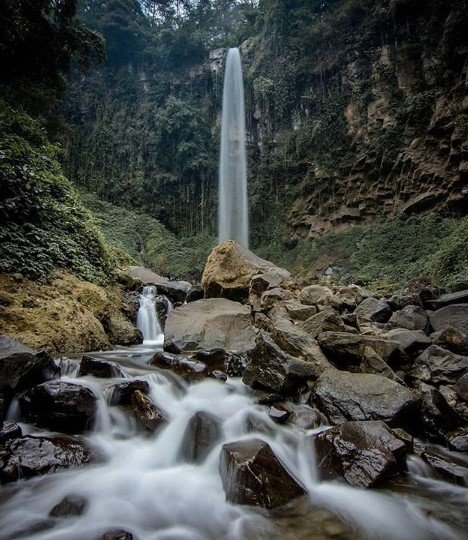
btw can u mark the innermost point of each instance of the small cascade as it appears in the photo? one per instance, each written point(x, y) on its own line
point(147, 317)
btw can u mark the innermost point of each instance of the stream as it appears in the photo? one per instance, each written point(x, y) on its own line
point(145, 487)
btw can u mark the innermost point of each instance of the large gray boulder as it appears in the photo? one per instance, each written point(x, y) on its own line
point(209, 324)
point(372, 309)
point(316, 295)
point(438, 366)
point(230, 269)
point(411, 342)
point(455, 316)
point(411, 318)
point(346, 396)
point(364, 453)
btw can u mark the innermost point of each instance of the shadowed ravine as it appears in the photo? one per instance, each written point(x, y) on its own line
point(145, 486)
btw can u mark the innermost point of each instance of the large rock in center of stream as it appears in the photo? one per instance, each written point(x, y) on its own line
point(209, 324)
point(252, 474)
point(230, 268)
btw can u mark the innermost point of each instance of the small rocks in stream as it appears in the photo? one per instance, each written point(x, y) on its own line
point(222, 360)
point(364, 453)
point(218, 375)
point(455, 316)
point(122, 392)
point(253, 475)
point(279, 413)
point(118, 534)
point(60, 406)
point(34, 456)
point(180, 365)
point(305, 417)
point(343, 396)
point(201, 435)
point(372, 309)
point(146, 411)
point(10, 430)
point(99, 368)
point(458, 441)
point(447, 468)
point(70, 506)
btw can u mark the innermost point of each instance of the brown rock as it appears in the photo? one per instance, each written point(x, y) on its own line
point(147, 412)
point(201, 435)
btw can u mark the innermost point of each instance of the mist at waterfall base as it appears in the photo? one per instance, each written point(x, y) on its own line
point(146, 487)
point(233, 219)
point(147, 317)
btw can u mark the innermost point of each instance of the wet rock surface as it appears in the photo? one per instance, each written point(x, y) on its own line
point(345, 396)
point(438, 366)
point(185, 367)
point(121, 393)
point(364, 453)
point(252, 474)
point(28, 456)
point(201, 434)
point(60, 406)
point(447, 469)
point(146, 411)
point(10, 430)
point(98, 368)
point(69, 506)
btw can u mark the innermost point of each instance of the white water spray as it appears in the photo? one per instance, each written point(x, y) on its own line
point(233, 219)
point(147, 318)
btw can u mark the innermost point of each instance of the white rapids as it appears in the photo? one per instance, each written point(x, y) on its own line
point(147, 317)
point(144, 487)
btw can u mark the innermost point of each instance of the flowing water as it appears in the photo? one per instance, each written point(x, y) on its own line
point(144, 486)
point(147, 318)
point(233, 220)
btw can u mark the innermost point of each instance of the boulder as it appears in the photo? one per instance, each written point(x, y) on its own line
point(373, 363)
point(324, 321)
point(60, 406)
point(22, 370)
point(343, 348)
point(200, 437)
point(146, 411)
point(305, 417)
point(10, 430)
point(461, 387)
point(458, 440)
point(270, 368)
point(117, 534)
point(438, 366)
point(34, 456)
point(299, 312)
point(364, 453)
point(163, 307)
point(209, 324)
point(221, 360)
point(445, 468)
point(279, 413)
point(195, 293)
point(175, 291)
point(410, 342)
point(98, 368)
point(411, 318)
point(451, 339)
point(437, 415)
point(10, 346)
point(298, 343)
point(120, 330)
point(230, 269)
point(252, 474)
point(345, 396)
point(372, 309)
point(186, 368)
point(121, 393)
point(70, 506)
point(455, 316)
point(275, 296)
point(314, 295)
point(459, 297)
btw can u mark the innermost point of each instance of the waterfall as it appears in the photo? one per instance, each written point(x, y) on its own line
point(233, 219)
point(147, 318)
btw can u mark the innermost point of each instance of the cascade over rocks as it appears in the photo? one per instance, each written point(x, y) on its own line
point(201, 435)
point(364, 453)
point(230, 269)
point(343, 396)
point(209, 324)
point(60, 406)
point(34, 456)
point(252, 474)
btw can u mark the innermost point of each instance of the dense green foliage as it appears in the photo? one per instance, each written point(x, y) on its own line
point(44, 224)
point(148, 242)
point(386, 255)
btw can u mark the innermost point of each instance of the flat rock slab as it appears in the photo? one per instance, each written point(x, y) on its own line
point(209, 324)
point(343, 396)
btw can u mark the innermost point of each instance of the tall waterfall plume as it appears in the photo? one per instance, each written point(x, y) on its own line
point(147, 317)
point(233, 215)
